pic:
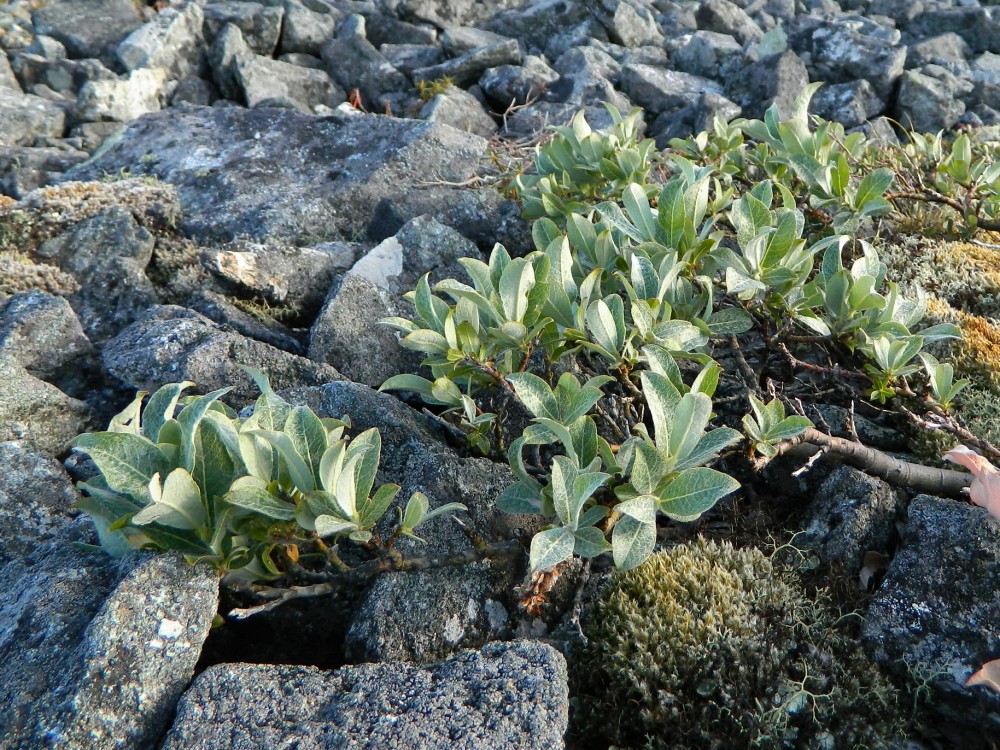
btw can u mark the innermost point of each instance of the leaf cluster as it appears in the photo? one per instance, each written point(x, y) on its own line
point(187, 474)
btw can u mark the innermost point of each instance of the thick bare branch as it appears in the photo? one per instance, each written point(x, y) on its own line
point(901, 473)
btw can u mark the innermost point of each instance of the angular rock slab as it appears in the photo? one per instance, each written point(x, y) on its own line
point(508, 696)
point(938, 609)
point(280, 174)
point(95, 654)
point(170, 344)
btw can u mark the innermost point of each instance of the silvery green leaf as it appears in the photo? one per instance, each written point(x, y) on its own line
point(689, 421)
point(257, 455)
point(662, 399)
point(536, 394)
point(251, 494)
point(327, 525)
point(299, 472)
point(127, 461)
point(373, 510)
point(178, 504)
point(189, 419)
point(729, 321)
point(416, 509)
point(549, 548)
point(709, 446)
point(127, 420)
point(590, 542)
point(632, 542)
point(789, 428)
point(520, 498)
point(161, 407)
point(694, 491)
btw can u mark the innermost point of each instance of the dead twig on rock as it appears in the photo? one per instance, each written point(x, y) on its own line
point(362, 574)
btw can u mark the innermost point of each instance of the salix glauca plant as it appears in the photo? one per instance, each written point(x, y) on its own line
point(255, 494)
point(626, 281)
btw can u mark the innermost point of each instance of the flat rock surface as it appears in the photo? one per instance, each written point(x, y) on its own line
point(508, 696)
point(284, 175)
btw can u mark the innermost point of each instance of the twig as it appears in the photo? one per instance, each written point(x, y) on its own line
point(746, 372)
point(893, 470)
point(941, 421)
point(834, 371)
point(363, 573)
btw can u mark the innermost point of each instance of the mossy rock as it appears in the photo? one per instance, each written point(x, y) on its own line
point(707, 646)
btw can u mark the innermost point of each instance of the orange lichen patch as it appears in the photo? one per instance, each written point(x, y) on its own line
point(940, 311)
point(6, 200)
point(977, 354)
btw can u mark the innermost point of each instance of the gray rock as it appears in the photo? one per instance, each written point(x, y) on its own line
point(80, 675)
point(457, 40)
point(851, 514)
point(978, 26)
point(47, 47)
point(93, 134)
point(267, 82)
point(448, 13)
point(87, 29)
point(516, 84)
point(218, 308)
point(194, 90)
point(228, 48)
point(925, 104)
point(387, 29)
point(434, 613)
point(7, 78)
point(282, 175)
point(727, 18)
point(659, 90)
point(347, 333)
point(24, 117)
point(408, 57)
point(355, 64)
point(24, 169)
point(631, 23)
point(774, 80)
point(108, 255)
point(62, 75)
point(901, 11)
point(170, 344)
point(590, 61)
point(850, 104)
point(938, 610)
point(260, 25)
point(459, 109)
point(172, 40)
point(450, 705)
point(692, 119)
point(36, 509)
point(35, 413)
point(124, 99)
point(43, 334)
point(468, 68)
point(299, 277)
point(306, 27)
point(840, 54)
point(485, 216)
point(704, 53)
point(948, 49)
point(986, 77)
point(543, 23)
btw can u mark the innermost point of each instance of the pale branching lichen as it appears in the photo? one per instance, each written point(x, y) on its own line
point(707, 646)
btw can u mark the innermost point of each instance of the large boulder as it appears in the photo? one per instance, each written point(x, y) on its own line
point(280, 174)
point(173, 41)
point(508, 696)
point(24, 117)
point(937, 614)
